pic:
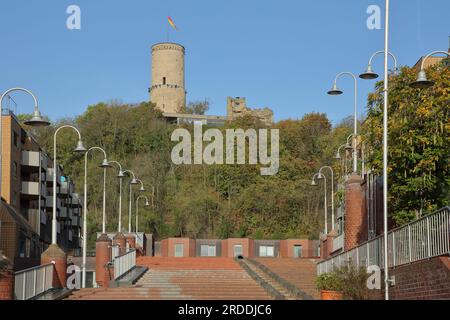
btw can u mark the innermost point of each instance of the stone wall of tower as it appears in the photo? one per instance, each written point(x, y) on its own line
point(237, 107)
point(168, 86)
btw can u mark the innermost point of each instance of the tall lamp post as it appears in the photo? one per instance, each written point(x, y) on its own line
point(79, 148)
point(120, 175)
point(314, 183)
point(422, 81)
point(103, 165)
point(35, 121)
point(335, 91)
point(147, 204)
point(132, 182)
point(332, 191)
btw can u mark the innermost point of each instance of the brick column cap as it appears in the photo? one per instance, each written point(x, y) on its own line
point(354, 178)
point(119, 236)
point(103, 238)
point(54, 251)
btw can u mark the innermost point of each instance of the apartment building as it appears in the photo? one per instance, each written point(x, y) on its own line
point(27, 192)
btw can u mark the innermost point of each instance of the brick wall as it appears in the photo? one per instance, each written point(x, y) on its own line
point(423, 280)
point(6, 285)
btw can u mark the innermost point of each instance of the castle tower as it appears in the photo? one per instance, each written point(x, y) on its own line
point(168, 88)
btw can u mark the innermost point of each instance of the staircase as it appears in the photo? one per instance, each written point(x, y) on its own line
point(297, 276)
point(184, 279)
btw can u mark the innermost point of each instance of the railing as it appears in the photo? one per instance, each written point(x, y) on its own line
point(124, 263)
point(424, 238)
point(115, 251)
point(31, 282)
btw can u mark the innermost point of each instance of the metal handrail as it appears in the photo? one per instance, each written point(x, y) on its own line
point(32, 268)
point(424, 238)
point(124, 263)
point(32, 282)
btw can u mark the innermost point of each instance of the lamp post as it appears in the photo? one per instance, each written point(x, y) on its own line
point(347, 147)
point(332, 191)
point(79, 148)
point(147, 204)
point(133, 181)
point(35, 121)
point(369, 74)
point(103, 165)
point(335, 91)
point(422, 81)
point(120, 175)
point(314, 183)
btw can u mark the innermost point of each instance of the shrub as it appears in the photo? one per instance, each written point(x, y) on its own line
point(329, 281)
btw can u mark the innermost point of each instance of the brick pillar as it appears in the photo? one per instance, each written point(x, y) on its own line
point(355, 213)
point(54, 254)
point(6, 279)
point(131, 240)
point(120, 240)
point(102, 257)
point(109, 274)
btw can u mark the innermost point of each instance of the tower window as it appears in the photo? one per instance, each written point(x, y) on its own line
point(164, 80)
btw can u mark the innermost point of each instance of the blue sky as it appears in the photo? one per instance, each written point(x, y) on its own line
point(281, 54)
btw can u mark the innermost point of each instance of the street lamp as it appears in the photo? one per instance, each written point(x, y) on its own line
point(332, 191)
point(120, 175)
point(422, 81)
point(80, 149)
point(336, 91)
point(314, 183)
point(147, 204)
point(369, 74)
point(103, 165)
point(132, 182)
point(35, 121)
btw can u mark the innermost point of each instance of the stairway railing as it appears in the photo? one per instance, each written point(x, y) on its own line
point(424, 238)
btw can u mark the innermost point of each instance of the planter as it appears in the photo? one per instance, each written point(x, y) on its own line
point(331, 295)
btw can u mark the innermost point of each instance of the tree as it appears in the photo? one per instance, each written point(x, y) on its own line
point(198, 107)
point(419, 144)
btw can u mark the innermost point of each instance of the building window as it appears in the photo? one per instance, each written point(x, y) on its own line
point(179, 250)
point(237, 250)
point(297, 251)
point(164, 80)
point(207, 250)
point(266, 251)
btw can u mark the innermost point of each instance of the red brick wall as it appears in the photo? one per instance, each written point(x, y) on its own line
point(287, 248)
point(228, 247)
point(355, 213)
point(164, 248)
point(188, 248)
point(424, 280)
point(6, 285)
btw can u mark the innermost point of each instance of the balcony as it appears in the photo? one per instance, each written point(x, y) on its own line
point(50, 174)
point(43, 218)
point(49, 202)
point(63, 213)
point(76, 222)
point(34, 219)
point(30, 188)
point(64, 189)
point(76, 200)
point(31, 158)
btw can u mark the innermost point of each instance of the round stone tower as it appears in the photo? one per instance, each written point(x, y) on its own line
point(168, 89)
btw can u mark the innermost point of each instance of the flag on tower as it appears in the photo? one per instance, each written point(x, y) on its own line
point(172, 23)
